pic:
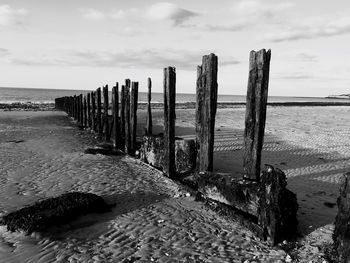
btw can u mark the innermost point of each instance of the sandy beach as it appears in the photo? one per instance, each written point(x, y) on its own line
point(156, 219)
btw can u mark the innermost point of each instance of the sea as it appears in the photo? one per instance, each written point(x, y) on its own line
point(43, 96)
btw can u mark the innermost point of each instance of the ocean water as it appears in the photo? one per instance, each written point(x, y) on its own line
point(25, 95)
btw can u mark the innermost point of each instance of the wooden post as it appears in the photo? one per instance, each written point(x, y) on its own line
point(105, 113)
point(81, 115)
point(93, 110)
point(115, 112)
point(255, 117)
point(85, 112)
point(122, 115)
point(133, 115)
point(74, 107)
point(89, 110)
point(169, 120)
point(206, 104)
point(127, 117)
point(149, 113)
point(98, 115)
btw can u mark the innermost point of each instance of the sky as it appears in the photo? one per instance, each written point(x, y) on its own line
point(84, 44)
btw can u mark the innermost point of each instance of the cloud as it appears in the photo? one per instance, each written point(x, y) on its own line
point(168, 11)
point(315, 28)
point(11, 16)
point(92, 14)
point(4, 51)
point(294, 76)
point(305, 57)
point(141, 58)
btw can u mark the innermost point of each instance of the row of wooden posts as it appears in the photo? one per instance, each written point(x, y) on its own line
point(92, 112)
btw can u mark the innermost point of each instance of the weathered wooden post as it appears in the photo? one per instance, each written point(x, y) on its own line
point(258, 82)
point(122, 115)
point(127, 117)
point(81, 114)
point(89, 109)
point(93, 110)
point(149, 113)
point(85, 112)
point(98, 115)
point(133, 115)
point(74, 107)
point(169, 120)
point(206, 103)
point(115, 112)
point(341, 234)
point(105, 113)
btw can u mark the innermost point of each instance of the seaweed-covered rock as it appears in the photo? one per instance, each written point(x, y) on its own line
point(341, 234)
point(54, 211)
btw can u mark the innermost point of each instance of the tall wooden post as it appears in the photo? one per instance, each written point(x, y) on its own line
point(133, 115)
point(115, 112)
point(81, 114)
point(98, 115)
point(127, 117)
point(93, 110)
point(169, 120)
point(149, 113)
point(105, 113)
point(206, 104)
point(122, 115)
point(75, 107)
point(85, 111)
point(255, 117)
point(89, 110)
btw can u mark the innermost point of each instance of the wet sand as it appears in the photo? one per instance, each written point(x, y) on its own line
point(42, 155)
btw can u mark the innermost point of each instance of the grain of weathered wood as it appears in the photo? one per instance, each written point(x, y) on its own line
point(169, 120)
point(93, 110)
point(133, 115)
point(259, 67)
point(122, 116)
point(206, 95)
point(99, 110)
point(85, 112)
point(89, 110)
point(115, 112)
point(106, 131)
point(127, 117)
point(149, 109)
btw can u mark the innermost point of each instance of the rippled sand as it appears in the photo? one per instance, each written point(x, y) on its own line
point(41, 155)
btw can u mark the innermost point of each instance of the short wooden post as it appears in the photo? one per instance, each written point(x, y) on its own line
point(81, 114)
point(206, 104)
point(98, 115)
point(105, 113)
point(255, 117)
point(169, 120)
point(115, 112)
point(122, 115)
point(85, 112)
point(149, 112)
point(89, 109)
point(127, 117)
point(93, 110)
point(133, 115)
point(74, 107)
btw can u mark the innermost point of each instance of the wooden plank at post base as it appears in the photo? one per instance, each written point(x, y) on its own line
point(89, 123)
point(99, 110)
point(105, 114)
point(206, 95)
point(149, 110)
point(93, 111)
point(273, 206)
point(341, 234)
point(169, 120)
point(127, 145)
point(133, 115)
point(115, 112)
point(258, 82)
point(122, 116)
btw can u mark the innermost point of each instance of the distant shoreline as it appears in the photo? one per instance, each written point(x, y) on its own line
point(182, 105)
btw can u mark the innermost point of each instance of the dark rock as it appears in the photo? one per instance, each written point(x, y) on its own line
point(54, 211)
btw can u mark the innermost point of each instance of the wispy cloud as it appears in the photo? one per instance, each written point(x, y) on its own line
point(306, 57)
point(169, 11)
point(315, 28)
point(141, 58)
point(92, 14)
point(11, 16)
point(293, 76)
